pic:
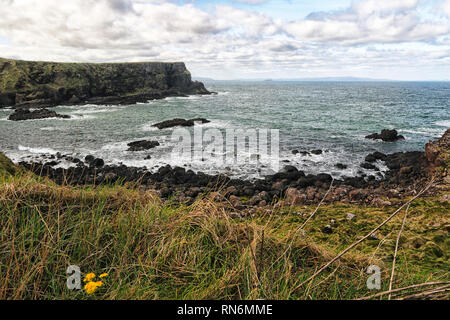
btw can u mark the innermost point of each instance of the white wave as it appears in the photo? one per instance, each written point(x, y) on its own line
point(48, 129)
point(115, 146)
point(75, 118)
point(193, 97)
point(443, 123)
point(219, 124)
point(149, 127)
point(82, 112)
point(428, 132)
point(87, 106)
point(37, 150)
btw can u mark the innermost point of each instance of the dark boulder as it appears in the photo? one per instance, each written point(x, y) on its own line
point(178, 122)
point(98, 163)
point(306, 181)
point(25, 114)
point(375, 156)
point(324, 177)
point(142, 145)
point(94, 162)
point(341, 166)
point(368, 166)
point(89, 158)
point(317, 152)
point(289, 169)
point(386, 135)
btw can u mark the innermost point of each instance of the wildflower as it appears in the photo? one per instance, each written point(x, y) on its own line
point(103, 275)
point(91, 286)
point(89, 277)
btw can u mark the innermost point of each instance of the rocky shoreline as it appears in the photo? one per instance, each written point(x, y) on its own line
point(408, 172)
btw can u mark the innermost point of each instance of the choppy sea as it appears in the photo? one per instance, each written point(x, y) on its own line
point(330, 116)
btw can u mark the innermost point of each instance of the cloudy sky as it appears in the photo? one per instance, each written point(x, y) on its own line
point(228, 39)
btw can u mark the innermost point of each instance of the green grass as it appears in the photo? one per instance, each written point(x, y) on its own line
point(156, 250)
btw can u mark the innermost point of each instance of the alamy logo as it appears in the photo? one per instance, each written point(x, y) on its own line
point(250, 147)
point(374, 281)
point(74, 279)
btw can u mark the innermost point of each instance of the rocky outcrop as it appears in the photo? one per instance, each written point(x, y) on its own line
point(438, 152)
point(180, 123)
point(47, 84)
point(386, 135)
point(376, 156)
point(25, 114)
point(142, 145)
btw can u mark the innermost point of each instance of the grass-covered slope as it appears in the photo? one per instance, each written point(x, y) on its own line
point(48, 83)
point(155, 250)
point(7, 167)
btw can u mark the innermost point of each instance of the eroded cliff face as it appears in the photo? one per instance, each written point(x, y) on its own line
point(46, 84)
point(438, 152)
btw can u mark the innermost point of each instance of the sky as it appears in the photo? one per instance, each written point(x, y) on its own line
point(235, 39)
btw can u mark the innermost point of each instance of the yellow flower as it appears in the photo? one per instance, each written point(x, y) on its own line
point(89, 277)
point(91, 286)
point(103, 275)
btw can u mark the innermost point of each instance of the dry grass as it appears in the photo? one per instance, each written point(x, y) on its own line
point(155, 250)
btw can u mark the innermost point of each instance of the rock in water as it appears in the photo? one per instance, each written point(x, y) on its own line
point(142, 145)
point(25, 114)
point(376, 156)
point(180, 123)
point(341, 166)
point(386, 135)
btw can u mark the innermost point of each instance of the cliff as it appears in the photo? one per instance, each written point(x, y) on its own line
point(46, 84)
point(438, 152)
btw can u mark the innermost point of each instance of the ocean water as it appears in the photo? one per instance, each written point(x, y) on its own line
point(334, 117)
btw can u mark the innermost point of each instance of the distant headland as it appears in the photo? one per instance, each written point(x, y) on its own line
point(26, 84)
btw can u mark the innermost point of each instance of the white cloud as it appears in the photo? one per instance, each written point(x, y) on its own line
point(222, 40)
point(251, 1)
point(370, 21)
point(446, 7)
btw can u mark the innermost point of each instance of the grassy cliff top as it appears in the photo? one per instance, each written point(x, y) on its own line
point(29, 75)
point(3, 60)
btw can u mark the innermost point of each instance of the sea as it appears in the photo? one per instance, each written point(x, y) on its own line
point(333, 117)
